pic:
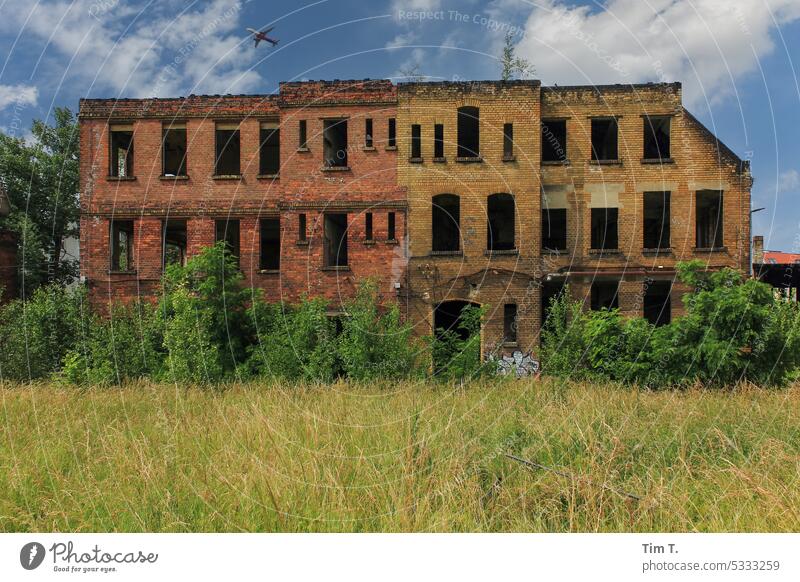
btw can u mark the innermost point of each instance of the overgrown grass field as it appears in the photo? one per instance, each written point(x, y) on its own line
point(398, 457)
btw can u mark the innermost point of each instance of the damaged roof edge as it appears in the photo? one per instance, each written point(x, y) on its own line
point(724, 150)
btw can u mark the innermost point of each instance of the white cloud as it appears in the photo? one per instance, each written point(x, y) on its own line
point(789, 181)
point(706, 44)
point(161, 51)
point(18, 95)
point(409, 5)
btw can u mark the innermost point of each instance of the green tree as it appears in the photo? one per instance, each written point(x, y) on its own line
point(514, 67)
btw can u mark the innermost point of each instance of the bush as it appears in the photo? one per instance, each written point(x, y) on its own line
point(457, 358)
point(38, 333)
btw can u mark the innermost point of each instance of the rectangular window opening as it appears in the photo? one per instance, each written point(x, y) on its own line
point(416, 142)
point(508, 140)
point(270, 259)
point(604, 140)
point(510, 323)
point(227, 149)
point(302, 138)
point(227, 230)
point(121, 143)
point(438, 141)
point(392, 137)
point(656, 138)
point(122, 245)
point(709, 219)
point(174, 150)
point(335, 228)
point(469, 135)
point(390, 229)
point(368, 227)
point(554, 140)
point(334, 139)
point(605, 228)
point(368, 142)
point(174, 243)
point(302, 228)
point(554, 229)
point(270, 150)
point(605, 295)
point(656, 220)
point(657, 302)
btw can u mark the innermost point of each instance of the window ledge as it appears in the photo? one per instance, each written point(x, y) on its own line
point(391, 148)
point(657, 251)
point(470, 160)
point(369, 242)
point(554, 251)
point(114, 272)
point(658, 161)
point(710, 249)
point(336, 269)
point(369, 149)
point(446, 253)
point(302, 243)
point(416, 160)
point(609, 252)
point(392, 241)
point(303, 150)
point(503, 253)
point(335, 168)
point(509, 158)
point(268, 177)
point(121, 178)
point(440, 160)
point(510, 345)
point(555, 162)
point(174, 178)
point(269, 271)
point(606, 162)
point(226, 177)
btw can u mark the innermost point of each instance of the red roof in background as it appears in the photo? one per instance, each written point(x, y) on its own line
point(780, 258)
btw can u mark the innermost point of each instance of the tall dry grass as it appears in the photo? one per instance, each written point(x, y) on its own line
point(405, 457)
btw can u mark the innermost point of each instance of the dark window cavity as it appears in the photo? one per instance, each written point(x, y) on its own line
point(657, 302)
point(605, 228)
point(390, 228)
point(121, 143)
point(656, 220)
point(500, 231)
point(709, 219)
point(302, 138)
point(335, 240)
point(554, 140)
point(656, 138)
point(469, 132)
point(510, 323)
point(554, 229)
point(368, 141)
point(605, 295)
point(438, 141)
point(228, 150)
point(122, 245)
point(392, 137)
point(302, 230)
point(270, 151)
point(227, 230)
point(446, 222)
point(174, 150)
point(416, 142)
point(551, 290)
point(174, 243)
point(270, 244)
point(368, 227)
point(508, 141)
point(604, 139)
point(334, 139)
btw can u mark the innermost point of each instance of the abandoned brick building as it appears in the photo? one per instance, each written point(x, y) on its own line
point(450, 194)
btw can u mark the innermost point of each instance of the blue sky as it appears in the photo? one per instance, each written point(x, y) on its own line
point(734, 59)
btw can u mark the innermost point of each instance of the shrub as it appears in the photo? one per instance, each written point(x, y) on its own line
point(456, 357)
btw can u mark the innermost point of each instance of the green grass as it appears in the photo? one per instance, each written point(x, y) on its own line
point(397, 458)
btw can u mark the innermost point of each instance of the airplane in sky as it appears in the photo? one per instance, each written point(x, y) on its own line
point(262, 35)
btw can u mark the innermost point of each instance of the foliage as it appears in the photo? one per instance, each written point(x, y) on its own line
point(36, 334)
point(514, 67)
point(41, 179)
point(456, 357)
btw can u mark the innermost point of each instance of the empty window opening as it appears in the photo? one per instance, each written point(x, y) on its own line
point(438, 141)
point(605, 295)
point(468, 132)
point(302, 137)
point(270, 151)
point(174, 243)
point(390, 227)
point(122, 245)
point(604, 139)
point(605, 228)
point(508, 141)
point(227, 230)
point(551, 291)
point(174, 150)
point(368, 227)
point(392, 137)
point(554, 229)
point(416, 142)
point(336, 240)
point(657, 302)
point(510, 323)
point(121, 142)
point(656, 138)
point(447, 318)
point(500, 232)
point(302, 229)
point(270, 244)
point(228, 150)
point(709, 219)
point(334, 138)
point(656, 220)
point(368, 141)
point(554, 140)
point(446, 223)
